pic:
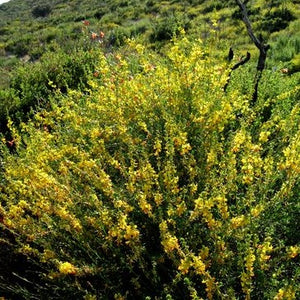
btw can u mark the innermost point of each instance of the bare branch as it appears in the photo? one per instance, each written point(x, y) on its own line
point(248, 24)
point(241, 62)
point(263, 48)
point(237, 65)
point(230, 54)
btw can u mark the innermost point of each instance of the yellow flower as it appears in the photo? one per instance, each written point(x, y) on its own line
point(287, 293)
point(238, 140)
point(279, 295)
point(15, 211)
point(222, 206)
point(263, 251)
point(293, 251)
point(26, 249)
point(247, 179)
point(140, 48)
point(131, 232)
point(47, 255)
point(158, 198)
point(144, 205)
point(199, 265)
point(264, 135)
point(67, 268)
point(170, 243)
point(256, 211)
point(157, 147)
point(23, 204)
point(210, 286)
point(181, 208)
point(76, 224)
point(211, 157)
point(250, 259)
point(63, 213)
point(185, 264)
point(239, 221)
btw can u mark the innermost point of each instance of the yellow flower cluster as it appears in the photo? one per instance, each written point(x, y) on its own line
point(246, 277)
point(287, 293)
point(124, 231)
point(238, 140)
point(263, 136)
point(67, 268)
point(169, 241)
point(293, 251)
point(263, 254)
point(238, 221)
point(292, 159)
point(204, 207)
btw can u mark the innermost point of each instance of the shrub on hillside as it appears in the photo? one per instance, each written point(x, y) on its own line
point(156, 184)
point(34, 84)
point(295, 64)
point(41, 11)
point(168, 26)
point(277, 19)
point(118, 35)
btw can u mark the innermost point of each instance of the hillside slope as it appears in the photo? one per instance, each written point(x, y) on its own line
point(27, 27)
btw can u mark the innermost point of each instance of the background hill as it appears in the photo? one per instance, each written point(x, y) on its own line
point(29, 27)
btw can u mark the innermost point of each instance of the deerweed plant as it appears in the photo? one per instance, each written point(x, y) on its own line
point(155, 183)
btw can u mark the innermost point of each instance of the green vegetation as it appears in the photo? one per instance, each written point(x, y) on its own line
point(129, 171)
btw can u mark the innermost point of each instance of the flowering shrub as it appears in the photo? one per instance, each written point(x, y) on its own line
point(154, 182)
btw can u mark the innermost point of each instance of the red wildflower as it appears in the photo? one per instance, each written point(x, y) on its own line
point(101, 34)
point(94, 35)
point(86, 23)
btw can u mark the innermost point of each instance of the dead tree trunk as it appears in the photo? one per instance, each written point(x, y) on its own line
point(237, 65)
point(263, 48)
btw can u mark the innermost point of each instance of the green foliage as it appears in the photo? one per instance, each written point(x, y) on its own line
point(253, 12)
point(118, 36)
point(32, 85)
point(277, 19)
point(285, 48)
point(168, 26)
point(41, 11)
point(295, 64)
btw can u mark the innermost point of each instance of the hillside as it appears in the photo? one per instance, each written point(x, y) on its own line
point(144, 153)
point(28, 27)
